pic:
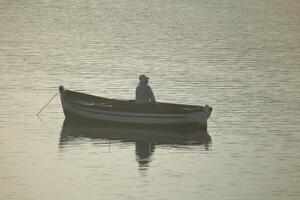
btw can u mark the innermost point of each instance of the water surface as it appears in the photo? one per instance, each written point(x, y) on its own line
point(240, 57)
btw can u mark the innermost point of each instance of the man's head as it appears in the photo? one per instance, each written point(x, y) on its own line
point(143, 78)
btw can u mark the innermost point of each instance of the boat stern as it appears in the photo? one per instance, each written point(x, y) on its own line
point(200, 117)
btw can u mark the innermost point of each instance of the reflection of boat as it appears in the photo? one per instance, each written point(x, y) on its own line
point(145, 139)
point(132, 134)
point(126, 111)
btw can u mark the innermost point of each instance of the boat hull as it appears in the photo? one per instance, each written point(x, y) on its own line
point(85, 110)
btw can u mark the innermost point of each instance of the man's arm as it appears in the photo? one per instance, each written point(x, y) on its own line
point(151, 95)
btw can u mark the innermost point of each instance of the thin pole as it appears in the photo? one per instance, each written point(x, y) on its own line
point(37, 114)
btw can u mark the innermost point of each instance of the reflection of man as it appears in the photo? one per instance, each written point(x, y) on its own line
point(143, 92)
point(143, 151)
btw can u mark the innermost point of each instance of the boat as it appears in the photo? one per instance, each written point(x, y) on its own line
point(78, 105)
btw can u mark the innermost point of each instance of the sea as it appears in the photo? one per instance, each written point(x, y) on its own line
point(240, 57)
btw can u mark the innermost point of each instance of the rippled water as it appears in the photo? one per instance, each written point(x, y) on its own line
point(241, 57)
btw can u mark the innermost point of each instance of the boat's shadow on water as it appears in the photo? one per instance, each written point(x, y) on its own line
point(145, 138)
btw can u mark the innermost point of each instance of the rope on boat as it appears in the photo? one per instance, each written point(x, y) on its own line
point(37, 114)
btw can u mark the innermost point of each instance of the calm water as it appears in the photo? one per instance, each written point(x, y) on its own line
point(241, 57)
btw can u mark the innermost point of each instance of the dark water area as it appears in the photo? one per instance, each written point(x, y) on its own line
point(144, 138)
point(240, 57)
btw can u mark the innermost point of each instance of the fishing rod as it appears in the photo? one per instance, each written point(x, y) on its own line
point(37, 114)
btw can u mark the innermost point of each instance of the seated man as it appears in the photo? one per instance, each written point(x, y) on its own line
point(144, 96)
